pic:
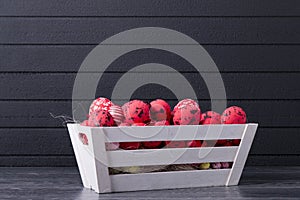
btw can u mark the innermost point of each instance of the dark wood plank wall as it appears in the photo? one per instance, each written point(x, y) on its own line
point(255, 44)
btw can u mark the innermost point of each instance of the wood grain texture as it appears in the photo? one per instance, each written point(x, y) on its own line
point(169, 180)
point(37, 113)
point(56, 142)
point(95, 30)
point(60, 85)
point(167, 133)
point(149, 8)
point(229, 58)
point(64, 183)
point(174, 156)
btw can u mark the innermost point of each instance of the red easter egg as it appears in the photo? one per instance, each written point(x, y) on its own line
point(184, 103)
point(138, 124)
point(162, 123)
point(85, 123)
point(210, 117)
point(98, 104)
point(236, 142)
point(187, 115)
point(151, 145)
point(124, 124)
point(136, 111)
point(129, 145)
point(175, 144)
point(160, 110)
point(101, 118)
point(194, 143)
point(234, 115)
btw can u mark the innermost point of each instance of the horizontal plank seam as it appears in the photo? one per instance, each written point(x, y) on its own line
point(148, 16)
point(94, 44)
point(146, 72)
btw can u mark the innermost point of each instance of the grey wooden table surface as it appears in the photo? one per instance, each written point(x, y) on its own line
point(65, 183)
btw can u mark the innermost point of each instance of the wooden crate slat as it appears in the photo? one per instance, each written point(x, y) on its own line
point(168, 180)
point(148, 157)
point(165, 133)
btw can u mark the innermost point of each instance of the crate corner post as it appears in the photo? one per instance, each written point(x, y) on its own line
point(241, 155)
point(101, 162)
point(83, 153)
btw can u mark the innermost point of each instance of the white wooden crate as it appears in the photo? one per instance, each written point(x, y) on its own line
point(94, 160)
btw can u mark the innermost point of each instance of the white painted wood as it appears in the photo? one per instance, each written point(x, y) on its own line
point(165, 133)
point(93, 158)
point(169, 180)
point(167, 156)
point(84, 155)
point(242, 154)
point(101, 162)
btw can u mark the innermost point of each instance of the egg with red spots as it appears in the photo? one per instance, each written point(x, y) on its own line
point(175, 144)
point(129, 145)
point(161, 123)
point(186, 112)
point(124, 124)
point(187, 115)
point(160, 110)
point(234, 115)
point(101, 118)
point(194, 143)
point(136, 111)
point(151, 144)
point(99, 104)
point(185, 102)
point(210, 117)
